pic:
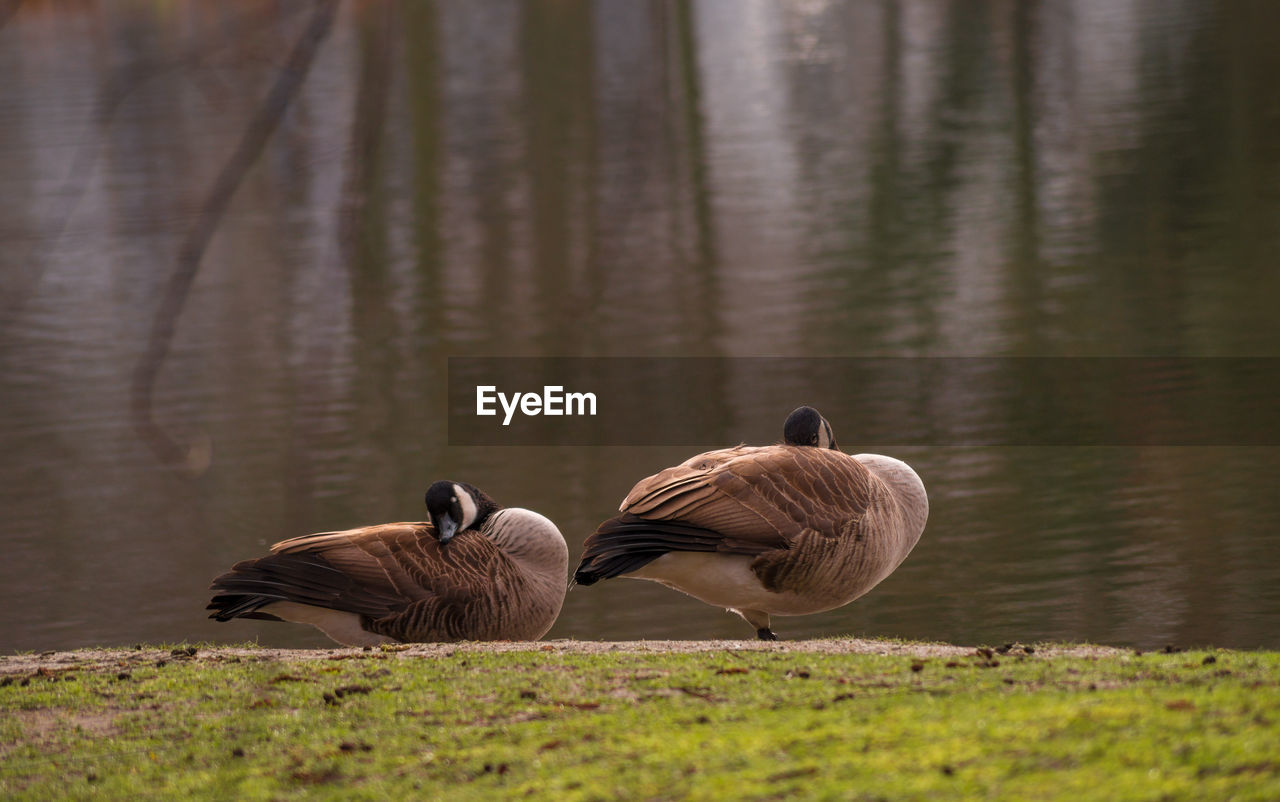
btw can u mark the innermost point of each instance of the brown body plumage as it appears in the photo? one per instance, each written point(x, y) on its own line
point(500, 577)
point(786, 529)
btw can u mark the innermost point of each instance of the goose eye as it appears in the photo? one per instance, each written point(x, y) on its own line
point(813, 440)
point(453, 499)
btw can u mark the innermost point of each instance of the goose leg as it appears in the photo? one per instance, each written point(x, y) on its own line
point(760, 620)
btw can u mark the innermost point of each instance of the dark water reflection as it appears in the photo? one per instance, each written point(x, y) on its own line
point(618, 178)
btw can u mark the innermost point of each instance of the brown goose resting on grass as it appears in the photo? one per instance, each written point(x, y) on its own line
point(475, 571)
point(787, 529)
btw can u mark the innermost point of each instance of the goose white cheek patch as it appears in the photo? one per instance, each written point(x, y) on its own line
point(468, 506)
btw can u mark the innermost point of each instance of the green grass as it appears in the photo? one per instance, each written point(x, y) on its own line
point(719, 725)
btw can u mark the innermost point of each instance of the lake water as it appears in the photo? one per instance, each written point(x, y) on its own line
point(716, 179)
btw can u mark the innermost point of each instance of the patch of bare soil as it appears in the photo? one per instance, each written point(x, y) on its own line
point(15, 668)
point(42, 727)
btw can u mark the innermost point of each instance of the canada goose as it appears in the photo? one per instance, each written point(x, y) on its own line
point(787, 529)
point(475, 572)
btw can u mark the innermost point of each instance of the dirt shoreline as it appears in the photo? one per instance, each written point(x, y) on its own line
point(124, 657)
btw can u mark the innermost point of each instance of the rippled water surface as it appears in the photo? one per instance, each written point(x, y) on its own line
point(719, 178)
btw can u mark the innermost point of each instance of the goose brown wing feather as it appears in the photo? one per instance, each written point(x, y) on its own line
point(744, 500)
point(378, 572)
point(652, 491)
point(760, 495)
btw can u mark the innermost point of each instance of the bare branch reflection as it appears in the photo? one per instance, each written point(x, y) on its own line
point(119, 86)
point(196, 456)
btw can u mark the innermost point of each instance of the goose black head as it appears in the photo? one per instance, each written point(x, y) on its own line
point(455, 507)
point(805, 427)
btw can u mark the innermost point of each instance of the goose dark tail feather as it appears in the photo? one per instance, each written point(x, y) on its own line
point(303, 578)
point(628, 542)
point(228, 606)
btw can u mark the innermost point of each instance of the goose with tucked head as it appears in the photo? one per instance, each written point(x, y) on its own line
point(474, 571)
point(788, 529)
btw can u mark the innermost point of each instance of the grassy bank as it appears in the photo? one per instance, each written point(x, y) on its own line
point(722, 721)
